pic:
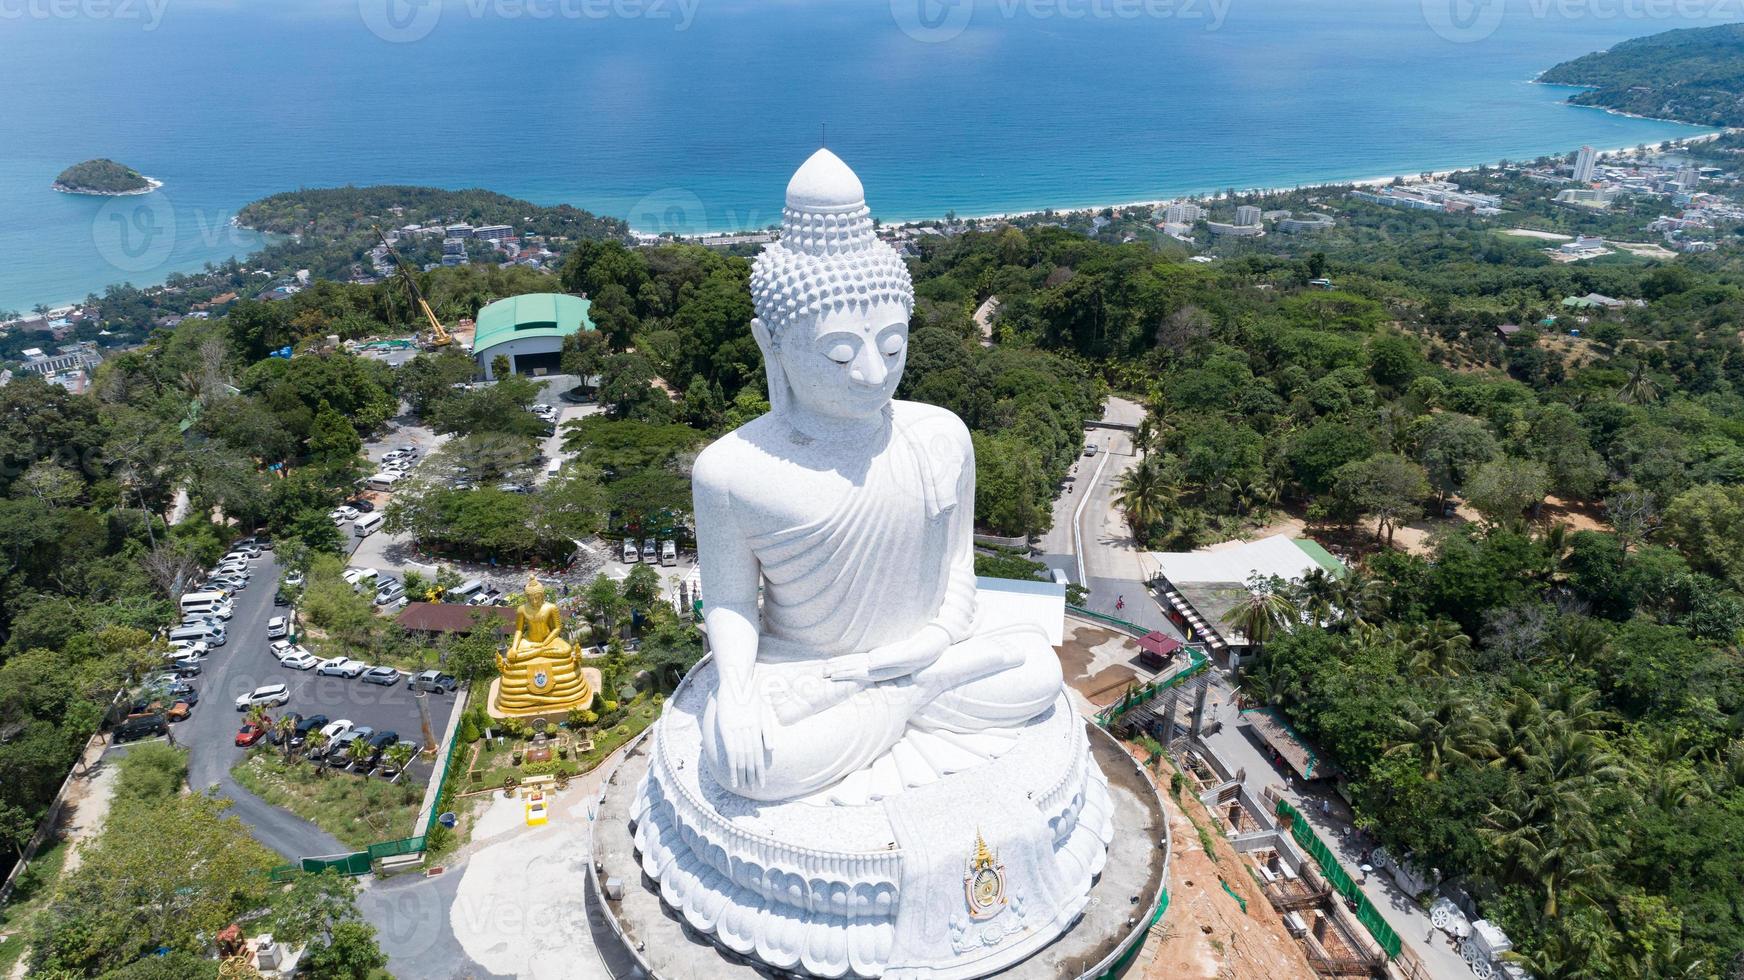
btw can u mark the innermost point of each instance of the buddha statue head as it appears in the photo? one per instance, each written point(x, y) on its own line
point(535, 592)
point(832, 300)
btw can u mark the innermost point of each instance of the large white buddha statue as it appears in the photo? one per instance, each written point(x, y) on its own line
point(851, 675)
point(854, 513)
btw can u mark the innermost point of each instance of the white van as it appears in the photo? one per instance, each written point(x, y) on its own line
point(367, 525)
point(554, 467)
point(464, 591)
point(202, 602)
point(210, 635)
point(383, 481)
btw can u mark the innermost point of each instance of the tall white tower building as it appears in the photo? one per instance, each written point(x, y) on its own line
point(1584, 162)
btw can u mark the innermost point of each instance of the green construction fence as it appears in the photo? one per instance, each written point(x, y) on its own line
point(1340, 880)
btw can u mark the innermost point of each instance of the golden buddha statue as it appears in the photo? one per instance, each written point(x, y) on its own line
point(540, 672)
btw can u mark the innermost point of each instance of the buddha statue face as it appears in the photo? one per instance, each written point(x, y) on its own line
point(844, 362)
point(535, 593)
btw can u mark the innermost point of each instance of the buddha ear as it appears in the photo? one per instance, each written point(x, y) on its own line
point(780, 395)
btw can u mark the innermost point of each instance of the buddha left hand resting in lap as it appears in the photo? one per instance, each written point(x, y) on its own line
point(854, 515)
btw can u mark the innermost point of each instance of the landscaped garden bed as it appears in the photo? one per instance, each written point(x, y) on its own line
point(358, 810)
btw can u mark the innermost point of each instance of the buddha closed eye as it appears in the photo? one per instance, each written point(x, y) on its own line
point(842, 349)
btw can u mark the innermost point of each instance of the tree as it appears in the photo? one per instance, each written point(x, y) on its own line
point(642, 588)
point(1266, 609)
point(397, 756)
point(1142, 495)
point(170, 872)
point(1394, 361)
point(312, 907)
point(1707, 524)
point(1451, 446)
point(1386, 486)
point(472, 655)
point(605, 606)
point(1502, 490)
point(427, 379)
point(501, 407)
point(570, 506)
point(584, 355)
point(349, 953)
point(332, 439)
point(627, 390)
point(1446, 733)
point(1640, 388)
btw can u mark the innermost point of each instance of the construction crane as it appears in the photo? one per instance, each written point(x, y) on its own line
point(439, 335)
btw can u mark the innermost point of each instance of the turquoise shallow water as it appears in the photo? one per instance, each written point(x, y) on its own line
point(691, 117)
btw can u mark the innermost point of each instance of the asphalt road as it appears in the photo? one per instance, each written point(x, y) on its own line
point(1089, 540)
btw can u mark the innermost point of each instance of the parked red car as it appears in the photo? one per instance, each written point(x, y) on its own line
point(250, 734)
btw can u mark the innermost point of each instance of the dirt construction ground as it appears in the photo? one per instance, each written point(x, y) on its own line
point(1205, 934)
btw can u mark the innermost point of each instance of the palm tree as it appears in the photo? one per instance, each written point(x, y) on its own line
point(1438, 650)
point(1448, 732)
point(1640, 389)
point(1143, 495)
point(314, 745)
point(1265, 610)
point(359, 752)
point(284, 728)
point(397, 755)
point(1359, 596)
point(1317, 594)
point(1547, 839)
point(1145, 435)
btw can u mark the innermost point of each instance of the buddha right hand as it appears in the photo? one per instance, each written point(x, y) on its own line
point(740, 726)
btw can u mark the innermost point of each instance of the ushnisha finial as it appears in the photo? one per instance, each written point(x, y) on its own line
point(828, 255)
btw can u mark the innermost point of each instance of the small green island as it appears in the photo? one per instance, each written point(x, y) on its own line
point(104, 176)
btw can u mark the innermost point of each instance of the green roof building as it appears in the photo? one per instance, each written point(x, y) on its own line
point(528, 330)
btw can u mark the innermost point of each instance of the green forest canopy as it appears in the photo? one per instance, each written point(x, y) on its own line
point(1693, 75)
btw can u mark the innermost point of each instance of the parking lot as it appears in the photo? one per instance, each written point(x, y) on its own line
point(243, 664)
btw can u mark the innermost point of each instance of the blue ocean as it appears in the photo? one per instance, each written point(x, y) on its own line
point(688, 115)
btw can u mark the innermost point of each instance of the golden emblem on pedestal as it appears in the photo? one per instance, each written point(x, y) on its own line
point(539, 671)
point(984, 882)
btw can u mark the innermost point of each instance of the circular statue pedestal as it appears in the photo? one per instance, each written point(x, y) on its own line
point(557, 715)
point(1033, 864)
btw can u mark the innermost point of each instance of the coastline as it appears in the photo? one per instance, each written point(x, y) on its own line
point(152, 184)
point(1075, 209)
point(1379, 181)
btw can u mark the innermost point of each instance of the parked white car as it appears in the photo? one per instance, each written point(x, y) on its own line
point(298, 659)
point(341, 667)
point(277, 626)
point(284, 648)
point(266, 695)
